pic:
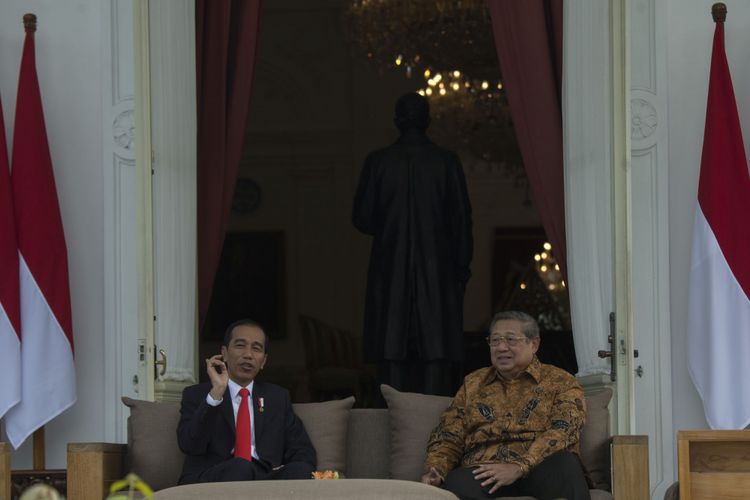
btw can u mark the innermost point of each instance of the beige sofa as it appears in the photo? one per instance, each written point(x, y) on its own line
point(380, 451)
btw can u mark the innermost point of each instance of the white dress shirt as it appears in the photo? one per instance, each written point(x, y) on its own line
point(234, 392)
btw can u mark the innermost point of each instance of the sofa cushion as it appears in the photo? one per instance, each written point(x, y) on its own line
point(327, 425)
point(413, 416)
point(153, 453)
point(595, 437)
point(369, 444)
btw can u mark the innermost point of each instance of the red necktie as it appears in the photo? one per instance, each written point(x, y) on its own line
point(242, 436)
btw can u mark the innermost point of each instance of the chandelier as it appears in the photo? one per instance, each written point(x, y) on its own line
point(549, 270)
point(542, 292)
point(449, 47)
point(473, 116)
point(413, 34)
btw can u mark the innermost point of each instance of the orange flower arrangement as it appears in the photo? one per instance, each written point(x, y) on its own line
point(326, 474)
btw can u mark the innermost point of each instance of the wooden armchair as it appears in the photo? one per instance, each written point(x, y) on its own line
point(334, 363)
point(713, 464)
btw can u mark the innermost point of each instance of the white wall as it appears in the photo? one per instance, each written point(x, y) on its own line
point(690, 38)
point(68, 41)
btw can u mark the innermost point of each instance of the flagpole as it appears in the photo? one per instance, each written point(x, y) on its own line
point(29, 24)
point(719, 291)
point(39, 459)
point(5, 481)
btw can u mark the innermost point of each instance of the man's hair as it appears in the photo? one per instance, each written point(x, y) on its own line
point(412, 112)
point(244, 322)
point(529, 326)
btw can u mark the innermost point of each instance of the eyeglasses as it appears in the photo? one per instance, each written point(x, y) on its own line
point(509, 341)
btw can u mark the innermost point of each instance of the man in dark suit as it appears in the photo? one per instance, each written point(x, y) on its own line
point(235, 428)
point(412, 199)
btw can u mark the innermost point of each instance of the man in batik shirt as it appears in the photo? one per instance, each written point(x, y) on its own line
point(512, 428)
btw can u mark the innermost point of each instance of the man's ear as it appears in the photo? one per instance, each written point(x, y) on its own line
point(223, 350)
point(535, 344)
point(263, 364)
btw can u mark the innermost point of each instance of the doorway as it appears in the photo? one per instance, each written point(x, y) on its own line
point(318, 107)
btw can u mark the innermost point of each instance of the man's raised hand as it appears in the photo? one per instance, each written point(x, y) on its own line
point(218, 375)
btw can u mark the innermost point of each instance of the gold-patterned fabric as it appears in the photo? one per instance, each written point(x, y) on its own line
point(521, 421)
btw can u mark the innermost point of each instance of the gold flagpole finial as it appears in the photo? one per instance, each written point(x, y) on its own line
point(719, 12)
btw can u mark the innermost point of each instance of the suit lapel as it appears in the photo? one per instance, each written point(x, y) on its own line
point(258, 415)
point(227, 411)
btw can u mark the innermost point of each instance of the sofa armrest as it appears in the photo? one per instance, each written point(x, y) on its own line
point(92, 468)
point(630, 467)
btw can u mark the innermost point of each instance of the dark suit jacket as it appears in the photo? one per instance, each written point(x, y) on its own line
point(205, 433)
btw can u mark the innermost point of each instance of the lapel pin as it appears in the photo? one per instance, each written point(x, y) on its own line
point(261, 405)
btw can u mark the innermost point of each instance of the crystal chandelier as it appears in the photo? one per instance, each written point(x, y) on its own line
point(549, 270)
point(413, 34)
point(473, 116)
point(448, 45)
point(542, 292)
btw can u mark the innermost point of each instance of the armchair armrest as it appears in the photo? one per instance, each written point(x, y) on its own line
point(630, 467)
point(92, 468)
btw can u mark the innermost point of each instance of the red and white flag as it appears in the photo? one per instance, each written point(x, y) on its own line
point(10, 309)
point(48, 385)
point(719, 314)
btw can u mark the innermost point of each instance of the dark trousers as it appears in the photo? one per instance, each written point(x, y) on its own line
point(426, 377)
point(558, 476)
point(439, 377)
point(239, 469)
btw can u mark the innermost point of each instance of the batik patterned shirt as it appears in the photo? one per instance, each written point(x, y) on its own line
point(520, 421)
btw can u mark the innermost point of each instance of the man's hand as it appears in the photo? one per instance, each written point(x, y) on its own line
point(217, 373)
point(432, 477)
point(499, 474)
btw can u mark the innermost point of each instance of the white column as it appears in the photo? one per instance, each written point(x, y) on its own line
point(120, 226)
point(610, 198)
point(650, 235)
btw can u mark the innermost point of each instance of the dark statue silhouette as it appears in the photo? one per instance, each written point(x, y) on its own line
point(412, 199)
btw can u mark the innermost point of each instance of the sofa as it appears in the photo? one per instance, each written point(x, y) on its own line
point(379, 451)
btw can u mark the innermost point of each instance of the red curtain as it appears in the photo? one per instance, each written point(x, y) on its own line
point(528, 38)
point(226, 46)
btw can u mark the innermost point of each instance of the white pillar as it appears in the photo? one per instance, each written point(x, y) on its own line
point(121, 370)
